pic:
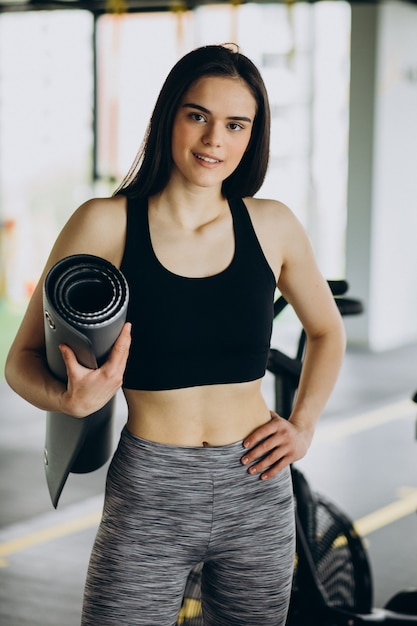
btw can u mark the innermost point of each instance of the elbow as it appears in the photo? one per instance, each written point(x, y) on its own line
point(332, 338)
point(10, 372)
point(339, 342)
point(344, 339)
point(337, 335)
point(342, 335)
point(15, 371)
point(336, 331)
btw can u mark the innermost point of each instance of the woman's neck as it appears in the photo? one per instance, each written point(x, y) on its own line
point(189, 208)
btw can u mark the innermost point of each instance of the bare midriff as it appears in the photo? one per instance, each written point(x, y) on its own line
point(213, 415)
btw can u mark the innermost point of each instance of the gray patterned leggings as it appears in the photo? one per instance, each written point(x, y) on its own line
point(168, 508)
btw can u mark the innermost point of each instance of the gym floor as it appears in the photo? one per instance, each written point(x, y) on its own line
point(363, 458)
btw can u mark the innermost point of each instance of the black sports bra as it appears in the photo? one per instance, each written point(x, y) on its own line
point(188, 332)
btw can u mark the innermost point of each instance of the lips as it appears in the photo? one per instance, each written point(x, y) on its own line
point(206, 159)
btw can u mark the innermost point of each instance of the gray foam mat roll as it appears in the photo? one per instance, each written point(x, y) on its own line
point(85, 302)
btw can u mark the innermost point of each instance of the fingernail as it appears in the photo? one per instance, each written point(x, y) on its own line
point(245, 460)
point(264, 477)
point(252, 470)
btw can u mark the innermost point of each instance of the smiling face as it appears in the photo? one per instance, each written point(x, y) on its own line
point(212, 129)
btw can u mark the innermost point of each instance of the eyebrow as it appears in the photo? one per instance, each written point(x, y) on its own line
point(239, 118)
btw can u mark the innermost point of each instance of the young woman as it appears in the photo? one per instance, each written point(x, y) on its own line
point(201, 473)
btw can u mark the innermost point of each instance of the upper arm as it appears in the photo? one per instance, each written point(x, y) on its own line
point(97, 227)
point(302, 283)
point(289, 253)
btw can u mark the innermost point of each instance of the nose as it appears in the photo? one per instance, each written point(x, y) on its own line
point(213, 135)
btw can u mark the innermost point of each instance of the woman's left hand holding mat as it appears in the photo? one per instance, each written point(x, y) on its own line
point(88, 390)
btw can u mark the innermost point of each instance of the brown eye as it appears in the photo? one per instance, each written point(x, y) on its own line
point(235, 126)
point(197, 117)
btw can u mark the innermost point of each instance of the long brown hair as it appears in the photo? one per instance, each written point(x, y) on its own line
point(152, 167)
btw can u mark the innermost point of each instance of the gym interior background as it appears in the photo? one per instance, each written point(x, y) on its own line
point(78, 80)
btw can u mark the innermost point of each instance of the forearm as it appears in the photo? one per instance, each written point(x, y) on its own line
point(321, 367)
point(28, 375)
point(86, 390)
point(279, 442)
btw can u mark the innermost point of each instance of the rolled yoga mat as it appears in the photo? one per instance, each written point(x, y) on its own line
point(85, 303)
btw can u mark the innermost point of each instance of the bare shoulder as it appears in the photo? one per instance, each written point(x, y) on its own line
point(287, 245)
point(279, 231)
point(275, 223)
point(97, 227)
point(271, 212)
